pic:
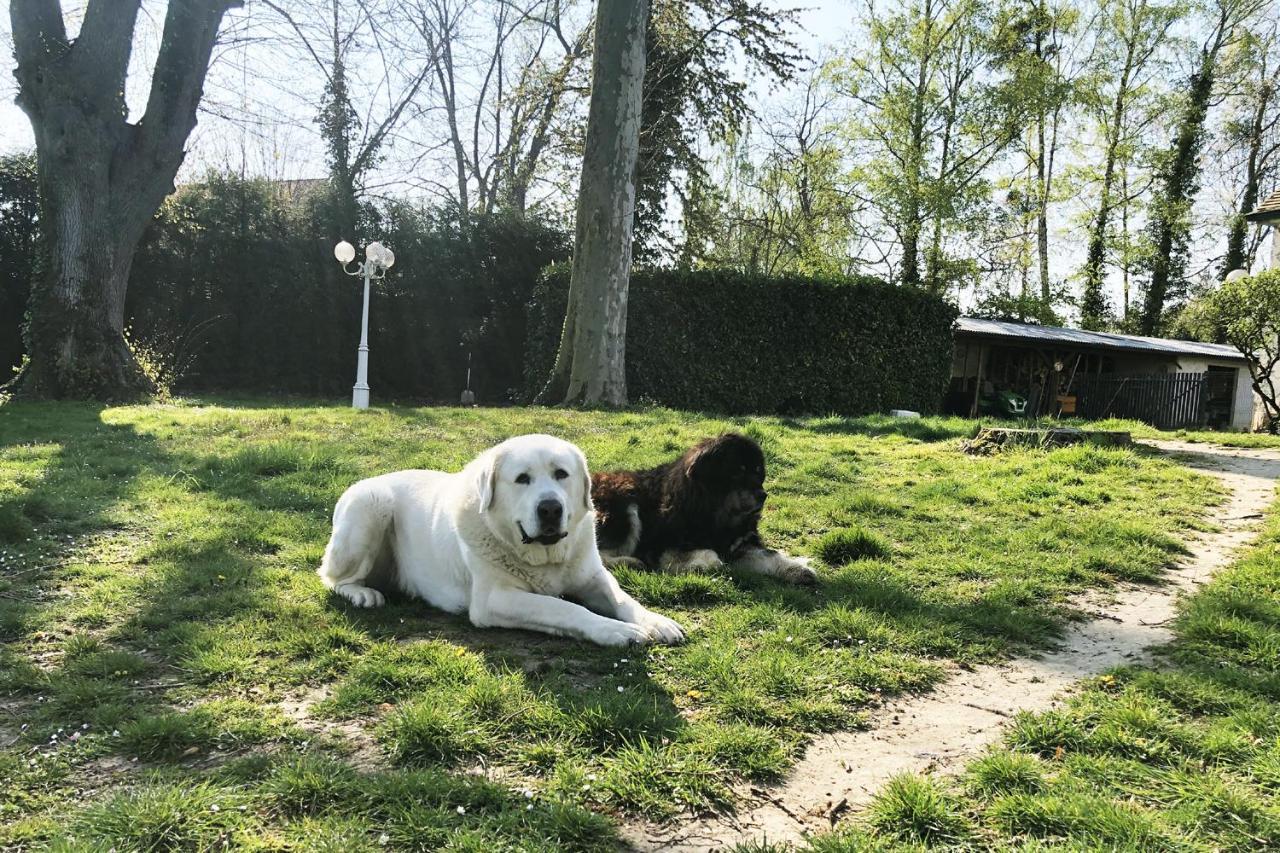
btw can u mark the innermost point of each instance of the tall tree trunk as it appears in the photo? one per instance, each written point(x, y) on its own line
point(1042, 200)
point(590, 366)
point(1237, 256)
point(1124, 231)
point(912, 220)
point(75, 338)
point(101, 178)
point(1170, 221)
point(1093, 303)
point(1042, 231)
point(911, 250)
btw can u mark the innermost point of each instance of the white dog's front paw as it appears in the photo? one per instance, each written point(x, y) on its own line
point(661, 629)
point(616, 633)
point(360, 596)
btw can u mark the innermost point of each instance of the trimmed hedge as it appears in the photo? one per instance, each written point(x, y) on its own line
point(719, 340)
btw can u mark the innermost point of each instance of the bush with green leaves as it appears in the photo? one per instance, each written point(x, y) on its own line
point(19, 251)
point(726, 341)
point(234, 286)
point(1247, 311)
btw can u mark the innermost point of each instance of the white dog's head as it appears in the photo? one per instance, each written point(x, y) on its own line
point(534, 493)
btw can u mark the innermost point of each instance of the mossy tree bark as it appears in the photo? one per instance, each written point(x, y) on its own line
point(101, 178)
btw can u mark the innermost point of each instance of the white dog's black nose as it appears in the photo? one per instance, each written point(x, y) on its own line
point(550, 513)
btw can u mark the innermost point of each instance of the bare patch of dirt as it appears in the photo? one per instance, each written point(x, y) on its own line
point(351, 736)
point(938, 731)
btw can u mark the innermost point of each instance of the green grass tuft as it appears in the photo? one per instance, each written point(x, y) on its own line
point(840, 547)
point(1005, 772)
point(912, 808)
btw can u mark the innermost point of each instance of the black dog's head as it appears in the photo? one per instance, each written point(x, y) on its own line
point(728, 471)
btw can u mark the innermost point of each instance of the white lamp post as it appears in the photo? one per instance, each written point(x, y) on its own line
point(377, 260)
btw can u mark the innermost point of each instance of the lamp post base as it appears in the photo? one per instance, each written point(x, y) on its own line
point(360, 397)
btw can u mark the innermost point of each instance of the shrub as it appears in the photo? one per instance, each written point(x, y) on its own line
point(234, 286)
point(718, 340)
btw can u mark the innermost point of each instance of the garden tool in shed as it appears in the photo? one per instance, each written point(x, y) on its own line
point(468, 396)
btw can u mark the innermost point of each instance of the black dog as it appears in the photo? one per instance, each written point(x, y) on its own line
point(700, 510)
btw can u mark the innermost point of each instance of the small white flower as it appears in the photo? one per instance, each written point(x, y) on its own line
point(619, 688)
point(624, 660)
point(215, 807)
point(461, 810)
point(115, 733)
point(384, 839)
point(528, 794)
point(529, 807)
point(788, 639)
point(591, 776)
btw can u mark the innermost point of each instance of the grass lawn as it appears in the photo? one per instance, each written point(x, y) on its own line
point(1181, 755)
point(173, 675)
point(1227, 439)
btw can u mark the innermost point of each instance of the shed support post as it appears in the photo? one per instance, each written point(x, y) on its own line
point(977, 386)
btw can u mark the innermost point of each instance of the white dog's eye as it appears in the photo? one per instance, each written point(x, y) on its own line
point(523, 479)
point(561, 474)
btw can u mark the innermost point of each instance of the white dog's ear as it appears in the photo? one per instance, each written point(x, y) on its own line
point(486, 475)
point(586, 479)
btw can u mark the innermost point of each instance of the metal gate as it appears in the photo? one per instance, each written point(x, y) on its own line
point(1164, 400)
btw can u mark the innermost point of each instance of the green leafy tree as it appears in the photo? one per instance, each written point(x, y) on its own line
point(1251, 129)
point(927, 125)
point(1032, 43)
point(695, 88)
point(1169, 226)
point(1247, 311)
point(1120, 102)
point(780, 207)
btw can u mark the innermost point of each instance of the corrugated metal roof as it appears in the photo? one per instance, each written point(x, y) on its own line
point(1028, 333)
point(1268, 211)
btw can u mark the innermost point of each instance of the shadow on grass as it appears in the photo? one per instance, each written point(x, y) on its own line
point(186, 601)
point(72, 472)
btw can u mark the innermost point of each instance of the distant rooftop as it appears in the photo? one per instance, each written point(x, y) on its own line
point(1268, 211)
point(1027, 333)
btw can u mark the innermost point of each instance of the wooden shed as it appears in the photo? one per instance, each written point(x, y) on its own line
point(1071, 372)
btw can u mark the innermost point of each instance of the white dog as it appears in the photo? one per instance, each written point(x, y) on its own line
point(503, 540)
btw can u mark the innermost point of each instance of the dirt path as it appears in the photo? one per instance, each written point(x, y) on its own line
point(939, 730)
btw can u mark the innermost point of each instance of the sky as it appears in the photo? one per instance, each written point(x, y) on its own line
point(823, 23)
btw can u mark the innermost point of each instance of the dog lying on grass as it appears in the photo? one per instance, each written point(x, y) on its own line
point(701, 510)
point(506, 540)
